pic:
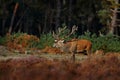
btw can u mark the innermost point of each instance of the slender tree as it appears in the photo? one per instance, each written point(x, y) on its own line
point(114, 17)
point(12, 19)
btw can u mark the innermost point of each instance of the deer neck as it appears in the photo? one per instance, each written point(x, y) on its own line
point(65, 47)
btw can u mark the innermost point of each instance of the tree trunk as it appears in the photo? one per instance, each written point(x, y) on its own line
point(12, 19)
point(58, 12)
point(4, 18)
point(114, 18)
point(70, 13)
point(45, 21)
point(51, 20)
point(20, 20)
point(3, 25)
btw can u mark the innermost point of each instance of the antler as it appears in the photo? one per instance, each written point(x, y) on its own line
point(54, 35)
point(60, 30)
point(74, 28)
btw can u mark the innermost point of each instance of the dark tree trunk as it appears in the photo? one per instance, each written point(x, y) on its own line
point(45, 21)
point(51, 22)
point(4, 18)
point(3, 26)
point(70, 13)
point(12, 19)
point(20, 21)
point(58, 12)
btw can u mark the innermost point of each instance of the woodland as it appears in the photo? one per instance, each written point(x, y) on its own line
point(28, 28)
point(42, 16)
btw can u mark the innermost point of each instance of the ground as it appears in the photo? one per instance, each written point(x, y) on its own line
point(43, 66)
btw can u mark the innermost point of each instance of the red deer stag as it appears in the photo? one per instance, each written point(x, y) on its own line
point(73, 46)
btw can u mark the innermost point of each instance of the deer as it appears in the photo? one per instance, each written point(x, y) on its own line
point(72, 46)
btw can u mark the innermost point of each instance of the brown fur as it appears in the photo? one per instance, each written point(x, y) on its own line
point(84, 45)
point(74, 46)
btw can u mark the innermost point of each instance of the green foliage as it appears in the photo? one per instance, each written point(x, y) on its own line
point(45, 40)
point(86, 35)
point(105, 12)
point(104, 16)
point(108, 43)
point(16, 35)
point(3, 40)
point(48, 40)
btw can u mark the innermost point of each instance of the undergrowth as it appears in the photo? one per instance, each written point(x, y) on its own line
point(108, 43)
point(19, 41)
point(45, 40)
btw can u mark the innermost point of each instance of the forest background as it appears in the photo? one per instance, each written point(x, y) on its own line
point(42, 16)
point(97, 21)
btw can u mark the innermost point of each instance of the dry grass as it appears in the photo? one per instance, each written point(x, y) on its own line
point(36, 68)
point(52, 50)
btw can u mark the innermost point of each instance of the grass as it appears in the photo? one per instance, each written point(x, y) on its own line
point(39, 68)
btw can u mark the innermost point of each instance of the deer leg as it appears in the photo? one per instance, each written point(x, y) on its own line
point(88, 52)
point(73, 56)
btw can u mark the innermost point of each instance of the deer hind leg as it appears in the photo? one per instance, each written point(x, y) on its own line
point(88, 52)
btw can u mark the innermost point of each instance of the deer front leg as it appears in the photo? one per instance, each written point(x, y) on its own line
point(73, 50)
point(73, 56)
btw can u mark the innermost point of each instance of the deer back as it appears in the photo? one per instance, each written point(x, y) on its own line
point(84, 45)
